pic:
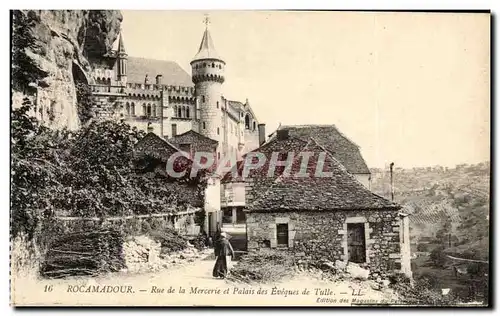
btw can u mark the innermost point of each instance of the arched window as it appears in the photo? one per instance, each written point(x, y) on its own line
point(154, 110)
point(247, 121)
point(187, 112)
point(254, 126)
point(127, 108)
point(144, 111)
point(148, 109)
point(132, 109)
point(213, 65)
point(179, 112)
point(159, 111)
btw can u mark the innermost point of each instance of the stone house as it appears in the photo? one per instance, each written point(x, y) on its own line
point(331, 217)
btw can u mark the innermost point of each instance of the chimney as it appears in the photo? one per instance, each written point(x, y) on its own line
point(262, 133)
point(282, 134)
point(158, 79)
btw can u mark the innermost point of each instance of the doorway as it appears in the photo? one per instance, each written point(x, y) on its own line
point(356, 243)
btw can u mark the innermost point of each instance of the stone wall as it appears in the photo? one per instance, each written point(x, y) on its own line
point(63, 42)
point(322, 235)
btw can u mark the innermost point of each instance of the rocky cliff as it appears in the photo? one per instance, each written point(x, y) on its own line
point(51, 52)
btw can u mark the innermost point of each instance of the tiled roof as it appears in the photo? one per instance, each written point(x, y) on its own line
point(338, 191)
point(342, 148)
point(172, 73)
point(178, 139)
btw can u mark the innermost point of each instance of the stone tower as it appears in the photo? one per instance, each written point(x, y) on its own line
point(122, 62)
point(208, 75)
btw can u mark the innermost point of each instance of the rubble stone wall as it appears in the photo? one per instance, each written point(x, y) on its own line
point(322, 235)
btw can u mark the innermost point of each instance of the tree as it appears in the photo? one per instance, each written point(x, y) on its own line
point(24, 69)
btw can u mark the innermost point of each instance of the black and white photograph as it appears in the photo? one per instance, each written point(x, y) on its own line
point(250, 158)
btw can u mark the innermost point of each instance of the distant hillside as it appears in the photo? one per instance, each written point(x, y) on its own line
point(436, 195)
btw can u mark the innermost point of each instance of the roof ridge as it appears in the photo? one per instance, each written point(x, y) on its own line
point(199, 134)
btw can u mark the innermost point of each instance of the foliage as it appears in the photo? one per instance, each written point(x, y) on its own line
point(438, 257)
point(90, 172)
point(422, 247)
point(264, 265)
point(421, 293)
point(85, 102)
point(24, 70)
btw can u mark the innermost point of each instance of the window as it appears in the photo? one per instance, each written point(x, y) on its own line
point(174, 130)
point(213, 65)
point(218, 155)
point(127, 107)
point(132, 109)
point(217, 104)
point(204, 125)
point(254, 126)
point(148, 110)
point(203, 98)
point(282, 234)
point(154, 110)
point(187, 112)
point(240, 216)
point(247, 121)
point(218, 131)
point(204, 64)
point(179, 112)
point(227, 217)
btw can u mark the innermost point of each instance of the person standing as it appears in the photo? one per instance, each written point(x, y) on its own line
point(224, 254)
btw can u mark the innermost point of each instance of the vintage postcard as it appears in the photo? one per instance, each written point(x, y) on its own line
point(250, 158)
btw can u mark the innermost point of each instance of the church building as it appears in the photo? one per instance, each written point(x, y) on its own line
point(159, 96)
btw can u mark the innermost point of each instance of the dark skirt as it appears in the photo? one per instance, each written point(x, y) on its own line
point(220, 267)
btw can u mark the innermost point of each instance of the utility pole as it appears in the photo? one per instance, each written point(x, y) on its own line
point(391, 166)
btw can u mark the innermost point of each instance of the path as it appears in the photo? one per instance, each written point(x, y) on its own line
point(196, 280)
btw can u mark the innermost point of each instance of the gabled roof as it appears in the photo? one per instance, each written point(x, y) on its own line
point(338, 191)
point(154, 145)
point(172, 73)
point(189, 136)
point(341, 147)
point(207, 48)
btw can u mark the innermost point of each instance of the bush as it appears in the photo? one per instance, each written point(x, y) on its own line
point(420, 293)
point(422, 247)
point(438, 257)
point(264, 265)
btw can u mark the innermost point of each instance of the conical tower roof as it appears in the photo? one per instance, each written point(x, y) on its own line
point(121, 45)
point(207, 48)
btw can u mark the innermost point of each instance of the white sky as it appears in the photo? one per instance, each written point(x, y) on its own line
point(412, 88)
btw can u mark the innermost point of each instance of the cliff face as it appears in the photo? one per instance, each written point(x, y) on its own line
point(61, 43)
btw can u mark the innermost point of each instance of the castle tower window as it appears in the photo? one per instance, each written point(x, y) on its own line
point(154, 110)
point(148, 110)
point(218, 131)
point(204, 126)
point(204, 65)
point(254, 126)
point(144, 111)
point(179, 112)
point(213, 65)
point(174, 130)
point(247, 121)
point(132, 109)
point(187, 112)
point(217, 104)
point(127, 108)
point(203, 98)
